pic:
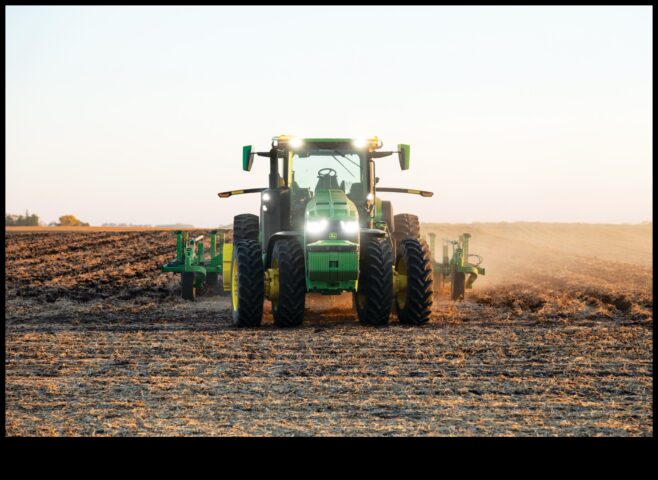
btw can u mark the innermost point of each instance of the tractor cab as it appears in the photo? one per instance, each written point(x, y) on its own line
point(318, 165)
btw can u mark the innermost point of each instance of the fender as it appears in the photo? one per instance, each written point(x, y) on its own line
point(275, 238)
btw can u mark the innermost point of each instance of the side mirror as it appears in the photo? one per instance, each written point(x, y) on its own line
point(247, 158)
point(376, 180)
point(403, 151)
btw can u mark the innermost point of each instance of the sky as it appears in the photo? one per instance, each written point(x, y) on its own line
point(139, 114)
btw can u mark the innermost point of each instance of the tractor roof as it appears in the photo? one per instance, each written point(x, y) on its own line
point(372, 142)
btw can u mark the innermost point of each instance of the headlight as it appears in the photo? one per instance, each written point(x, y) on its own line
point(360, 143)
point(295, 142)
point(349, 226)
point(266, 197)
point(317, 226)
point(370, 197)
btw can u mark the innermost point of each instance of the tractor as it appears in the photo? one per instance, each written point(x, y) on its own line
point(322, 228)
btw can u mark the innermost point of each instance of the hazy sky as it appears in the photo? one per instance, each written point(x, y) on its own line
point(139, 114)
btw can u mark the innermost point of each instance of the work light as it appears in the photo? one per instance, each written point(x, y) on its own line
point(295, 142)
point(349, 226)
point(317, 226)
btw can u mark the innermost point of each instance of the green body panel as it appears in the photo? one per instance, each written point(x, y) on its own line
point(330, 270)
point(331, 264)
point(331, 204)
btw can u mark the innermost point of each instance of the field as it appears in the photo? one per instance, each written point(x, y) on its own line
point(556, 339)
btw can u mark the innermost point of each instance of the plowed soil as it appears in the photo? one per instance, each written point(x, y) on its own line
point(555, 339)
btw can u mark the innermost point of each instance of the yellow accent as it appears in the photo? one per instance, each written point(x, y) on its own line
point(227, 256)
point(237, 192)
point(400, 283)
point(234, 285)
point(272, 284)
point(417, 192)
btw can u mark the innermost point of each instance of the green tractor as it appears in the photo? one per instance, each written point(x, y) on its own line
point(321, 228)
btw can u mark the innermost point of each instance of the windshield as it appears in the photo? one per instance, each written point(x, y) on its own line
point(326, 169)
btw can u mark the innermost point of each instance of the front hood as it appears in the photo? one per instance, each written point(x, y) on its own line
point(331, 204)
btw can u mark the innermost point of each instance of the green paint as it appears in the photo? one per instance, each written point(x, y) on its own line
point(404, 152)
point(247, 158)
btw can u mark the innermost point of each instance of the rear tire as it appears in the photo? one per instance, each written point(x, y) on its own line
point(406, 226)
point(245, 227)
point(247, 284)
point(188, 287)
point(288, 309)
point(374, 298)
point(414, 305)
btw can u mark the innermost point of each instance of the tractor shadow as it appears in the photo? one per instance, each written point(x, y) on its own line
point(320, 312)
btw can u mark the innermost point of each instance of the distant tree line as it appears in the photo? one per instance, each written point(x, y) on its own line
point(26, 220)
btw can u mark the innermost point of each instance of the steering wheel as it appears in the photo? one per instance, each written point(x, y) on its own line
point(327, 172)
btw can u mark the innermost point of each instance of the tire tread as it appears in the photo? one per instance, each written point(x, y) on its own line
point(418, 307)
point(376, 280)
point(251, 284)
point(292, 283)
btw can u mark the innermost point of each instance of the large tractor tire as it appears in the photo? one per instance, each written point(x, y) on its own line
point(245, 227)
point(374, 298)
point(247, 284)
point(188, 286)
point(288, 260)
point(413, 305)
point(457, 285)
point(406, 226)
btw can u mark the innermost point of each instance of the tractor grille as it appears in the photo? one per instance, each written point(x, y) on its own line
point(333, 266)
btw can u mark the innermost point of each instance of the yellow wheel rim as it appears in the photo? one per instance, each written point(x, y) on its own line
point(234, 284)
point(401, 294)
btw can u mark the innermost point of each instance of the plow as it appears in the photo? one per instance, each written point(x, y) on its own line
point(322, 227)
